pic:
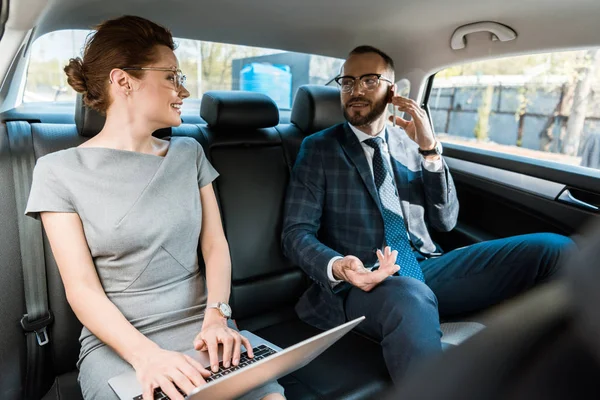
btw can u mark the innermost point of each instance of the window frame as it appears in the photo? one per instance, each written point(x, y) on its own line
point(572, 175)
point(3, 16)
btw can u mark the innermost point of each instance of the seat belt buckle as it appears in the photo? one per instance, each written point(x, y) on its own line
point(38, 326)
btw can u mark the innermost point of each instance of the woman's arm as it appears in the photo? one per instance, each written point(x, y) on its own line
point(215, 252)
point(154, 366)
point(84, 291)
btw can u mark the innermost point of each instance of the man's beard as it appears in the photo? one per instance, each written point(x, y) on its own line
point(374, 114)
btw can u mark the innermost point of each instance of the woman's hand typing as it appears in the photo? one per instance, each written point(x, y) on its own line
point(165, 369)
point(214, 332)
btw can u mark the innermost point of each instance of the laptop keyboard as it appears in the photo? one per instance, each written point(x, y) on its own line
point(260, 352)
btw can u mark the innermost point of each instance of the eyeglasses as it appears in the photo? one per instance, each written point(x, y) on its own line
point(178, 79)
point(367, 81)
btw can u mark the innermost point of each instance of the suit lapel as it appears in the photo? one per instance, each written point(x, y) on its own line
point(355, 153)
point(399, 161)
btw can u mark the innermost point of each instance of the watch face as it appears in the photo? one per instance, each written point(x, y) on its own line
point(225, 310)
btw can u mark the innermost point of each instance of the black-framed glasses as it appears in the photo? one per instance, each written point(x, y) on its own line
point(178, 77)
point(367, 81)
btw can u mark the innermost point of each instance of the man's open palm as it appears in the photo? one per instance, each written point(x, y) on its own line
point(352, 270)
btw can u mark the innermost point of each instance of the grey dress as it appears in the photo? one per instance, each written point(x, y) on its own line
point(141, 215)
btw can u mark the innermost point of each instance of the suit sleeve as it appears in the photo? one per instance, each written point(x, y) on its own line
point(302, 215)
point(440, 198)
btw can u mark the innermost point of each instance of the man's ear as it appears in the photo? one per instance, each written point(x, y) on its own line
point(391, 92)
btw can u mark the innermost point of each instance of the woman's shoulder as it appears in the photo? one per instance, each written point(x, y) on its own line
point(185, 141)
point(56, 167)
point(57, 159)
point(189, 143)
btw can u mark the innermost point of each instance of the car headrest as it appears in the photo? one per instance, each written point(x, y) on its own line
point(89, 122)
point(316, 108)
point(239, 109)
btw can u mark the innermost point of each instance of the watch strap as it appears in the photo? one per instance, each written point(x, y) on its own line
point(434, 151)
point(218, 307)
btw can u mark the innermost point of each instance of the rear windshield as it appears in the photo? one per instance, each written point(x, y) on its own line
point(207, 66)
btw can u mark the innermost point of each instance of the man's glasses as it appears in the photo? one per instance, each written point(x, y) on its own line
point(368, 82)
point(178, 78)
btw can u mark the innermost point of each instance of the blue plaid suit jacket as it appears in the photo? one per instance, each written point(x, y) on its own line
point(332, 209)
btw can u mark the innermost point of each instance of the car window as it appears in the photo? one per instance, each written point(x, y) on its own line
point(542, 106)
point(207, 66)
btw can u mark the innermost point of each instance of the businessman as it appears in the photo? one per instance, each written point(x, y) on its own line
point(361, 201)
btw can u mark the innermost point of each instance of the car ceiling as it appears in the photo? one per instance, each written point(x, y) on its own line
point(416, 33)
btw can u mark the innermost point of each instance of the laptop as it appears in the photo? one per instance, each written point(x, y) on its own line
point(270, 362)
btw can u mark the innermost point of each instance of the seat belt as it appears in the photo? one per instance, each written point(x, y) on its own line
point(38, 316)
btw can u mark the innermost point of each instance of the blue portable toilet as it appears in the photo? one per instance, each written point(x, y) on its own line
point(274, 80)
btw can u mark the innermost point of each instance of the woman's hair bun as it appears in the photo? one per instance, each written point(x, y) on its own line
point(75, 75)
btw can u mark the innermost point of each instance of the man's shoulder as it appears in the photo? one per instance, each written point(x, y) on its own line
point(329, 135)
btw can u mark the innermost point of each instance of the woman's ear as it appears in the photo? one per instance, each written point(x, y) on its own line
point(121, 80)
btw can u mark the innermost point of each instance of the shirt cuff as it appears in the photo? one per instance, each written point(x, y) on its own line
point(433, 166)
point(332, 281)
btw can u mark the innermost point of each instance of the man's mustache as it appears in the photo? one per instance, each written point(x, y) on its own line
point(357, 100)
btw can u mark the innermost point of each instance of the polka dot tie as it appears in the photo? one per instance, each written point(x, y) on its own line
point(396, 235)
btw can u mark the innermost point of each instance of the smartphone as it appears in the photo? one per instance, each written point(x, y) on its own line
point(390, 96)
point(402, 89)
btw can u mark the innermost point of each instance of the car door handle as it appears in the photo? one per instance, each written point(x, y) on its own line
point(568, 198)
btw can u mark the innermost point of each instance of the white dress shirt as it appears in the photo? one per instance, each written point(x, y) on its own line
point(432, 166)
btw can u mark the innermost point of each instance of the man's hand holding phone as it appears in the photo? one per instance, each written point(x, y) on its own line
point(418, 128)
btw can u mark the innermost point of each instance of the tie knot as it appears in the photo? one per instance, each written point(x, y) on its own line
point(375, 142)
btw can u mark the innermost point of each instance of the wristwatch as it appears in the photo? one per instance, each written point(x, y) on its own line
point(437, 150)
point(223, 308)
